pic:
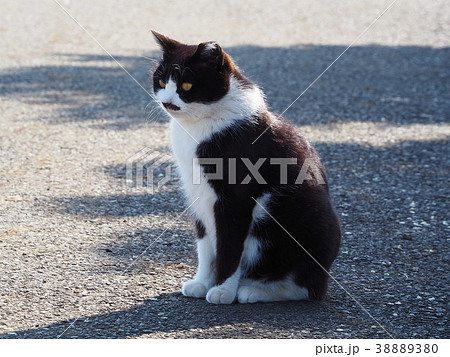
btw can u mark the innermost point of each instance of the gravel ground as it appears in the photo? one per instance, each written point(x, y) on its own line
point(85, 253)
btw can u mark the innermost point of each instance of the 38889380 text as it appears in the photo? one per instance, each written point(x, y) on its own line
point(406, 348)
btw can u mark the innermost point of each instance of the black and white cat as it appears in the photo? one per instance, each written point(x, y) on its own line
point(261, 236)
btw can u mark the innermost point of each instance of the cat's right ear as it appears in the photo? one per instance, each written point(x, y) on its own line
point(211, 52)
point(168, 45)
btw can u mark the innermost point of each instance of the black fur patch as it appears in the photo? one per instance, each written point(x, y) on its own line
point(201, 231)
point(304, 210)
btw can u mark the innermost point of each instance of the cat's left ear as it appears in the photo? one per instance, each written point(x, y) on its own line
point(168, 45)
point(211, 52)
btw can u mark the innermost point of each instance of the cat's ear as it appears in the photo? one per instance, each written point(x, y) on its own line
point(168, 45)
point(211, 52)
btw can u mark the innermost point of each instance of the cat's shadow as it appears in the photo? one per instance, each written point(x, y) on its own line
point(172, 312)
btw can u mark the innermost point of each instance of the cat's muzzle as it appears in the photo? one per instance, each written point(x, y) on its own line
point(170, 106)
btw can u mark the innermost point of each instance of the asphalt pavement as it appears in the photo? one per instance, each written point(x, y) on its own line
point(86, 252)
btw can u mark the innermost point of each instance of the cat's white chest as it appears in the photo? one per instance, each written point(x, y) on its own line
point(198, 191)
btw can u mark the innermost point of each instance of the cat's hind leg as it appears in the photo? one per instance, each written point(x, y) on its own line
point(251, 291)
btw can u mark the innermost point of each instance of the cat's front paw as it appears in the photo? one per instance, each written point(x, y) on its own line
point(220, 295)
point(249, 295)
point(194, 288)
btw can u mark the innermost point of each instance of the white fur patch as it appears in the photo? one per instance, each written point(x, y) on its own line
point(253, 246)
point(194, 288)
point(204, 278)
point(251, 253)
point(210, 46)
point(260, 210)
point(225, 293)
point(169, 95)
point(251, 291)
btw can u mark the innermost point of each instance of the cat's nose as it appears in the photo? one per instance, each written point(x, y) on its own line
point(170, 106)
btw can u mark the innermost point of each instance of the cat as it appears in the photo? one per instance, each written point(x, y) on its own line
point(261, 236)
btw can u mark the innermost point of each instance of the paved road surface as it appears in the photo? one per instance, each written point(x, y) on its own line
point(78, 244)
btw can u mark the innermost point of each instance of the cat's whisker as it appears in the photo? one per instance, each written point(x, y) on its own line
point(155, 110)
point(153, 101)
point(151, 112)
point(149, 103)
point(149, 58)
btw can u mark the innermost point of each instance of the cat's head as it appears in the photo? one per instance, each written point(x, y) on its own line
point(191, 79)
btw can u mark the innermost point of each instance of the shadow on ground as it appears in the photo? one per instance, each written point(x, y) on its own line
point(119, 205)
point(368, 83)
point(142, 250)
point(175, 313)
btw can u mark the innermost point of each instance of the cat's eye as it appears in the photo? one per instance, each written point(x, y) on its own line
point(186, 86)
point(162, 84)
